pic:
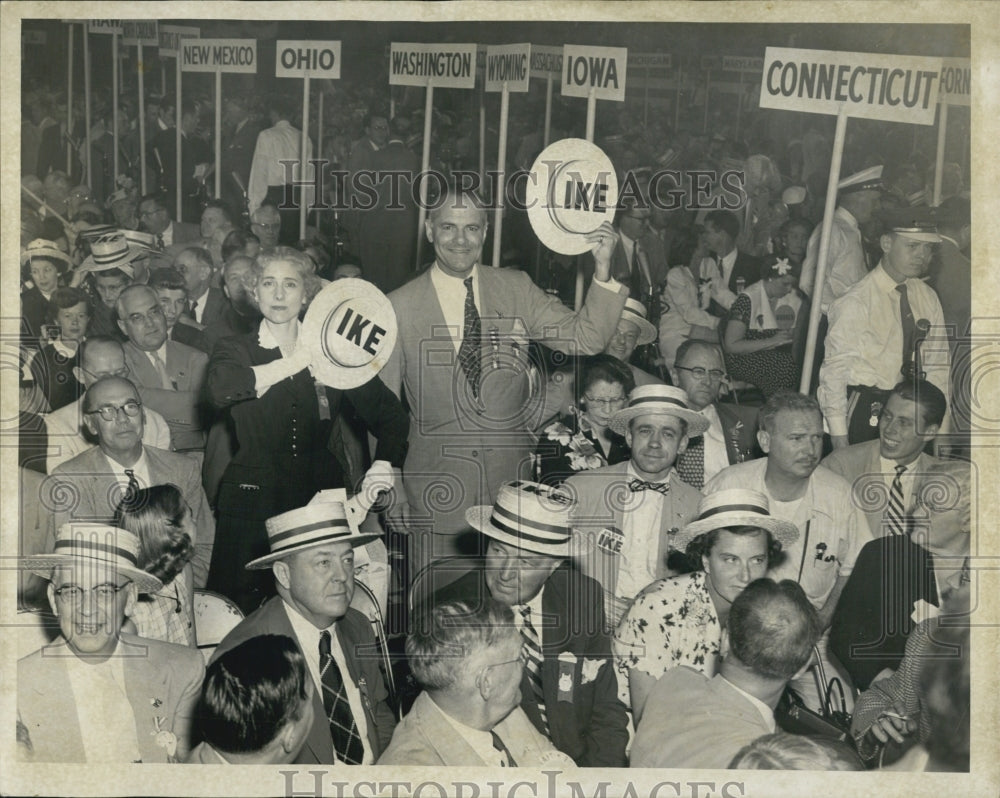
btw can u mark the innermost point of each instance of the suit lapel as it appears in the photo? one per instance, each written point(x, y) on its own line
point(144, 686)
point(441, 735)
point(141, 367)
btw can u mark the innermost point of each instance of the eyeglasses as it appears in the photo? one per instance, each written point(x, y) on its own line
point(110, 412)
point(522, 657)
point(699, 373)
point(274, 226)
point(103, 594)
point(618, 401)
point(143, 214)
point(100, 375)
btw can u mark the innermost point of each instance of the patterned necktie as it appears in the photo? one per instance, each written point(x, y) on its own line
point(132, 488)
point(637, 485)
point(508, 760)
point(346, 739)
point(892, 518)
point(468, 352)
point(533, 665)
point(160, 243)
point(909, 331)
point(691, 463)
point(161, 370)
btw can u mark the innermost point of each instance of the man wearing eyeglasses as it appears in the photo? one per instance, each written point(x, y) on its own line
point(154, 217)
point(96, 695)
point(99, 357)
point(731, 435)
point(90, 486)
point(266, 225)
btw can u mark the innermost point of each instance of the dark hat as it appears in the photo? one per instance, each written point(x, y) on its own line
point(919, 223)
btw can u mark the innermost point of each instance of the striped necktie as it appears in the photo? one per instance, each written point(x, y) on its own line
point(892, 518)
point(533, 665)
point(132, 489)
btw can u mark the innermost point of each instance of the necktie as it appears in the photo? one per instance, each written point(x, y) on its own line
point(159, 242)
point(909, 331)
point(533, 665)
point(892, 518)
point(161, 370)
point(346, 740)
point(635, 276)
point(637, 485)
point(132, 488)
point(194, 310)
point(468, 352)
point(508, 760)
point(691, 463)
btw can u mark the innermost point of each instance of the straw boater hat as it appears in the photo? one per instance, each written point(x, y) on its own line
point(43, 248)
point(307, 527)
point(82, 545)
point(350, 329)
point(527, 515)
point(635, 312)
point(664, 399)
point(735, 507)
point(112, 251)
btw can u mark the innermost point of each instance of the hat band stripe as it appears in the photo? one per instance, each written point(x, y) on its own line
point(520, 533)
point(337, 537)
point(277, 537)
point(658, 400)
point(112, 257)
point(86, 548)
point(734, 508)
point(538, 526)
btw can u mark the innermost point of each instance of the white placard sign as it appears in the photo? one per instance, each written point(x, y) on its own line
point(739, 63)
point(649, 61)
point(219, 55)
point(140, 31)
point(104, 26)
point(315, 59)
point(449, 66)
point(599, 68)
point(546, 61)
point(510, 63)
point(892, 88)
point(171, 35)
point(956, 81)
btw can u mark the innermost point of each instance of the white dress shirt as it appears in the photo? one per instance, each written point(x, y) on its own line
point(639, 557)
point(845, 264)
point(198, 305)
point(716, 453)
point(140, 470)
point(451, 293)
point(107, 720)
point(275, 144)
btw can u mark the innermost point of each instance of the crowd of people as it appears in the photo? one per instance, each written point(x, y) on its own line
point(619, 535)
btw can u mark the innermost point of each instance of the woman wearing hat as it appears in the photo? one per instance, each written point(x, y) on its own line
point(582, 440)
point(283, 418)
point(52, 367)
point(44, 265)
point(763, 322)
point(679, 620)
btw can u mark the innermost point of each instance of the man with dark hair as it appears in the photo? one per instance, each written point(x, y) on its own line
point(468, 658)
point(693, 721)
point(171, 289)
point(239, 314)
point(240, 242)
point(727, 271)
point(155, 218)
point(195, 155)
point(256, 705)
point(205, 301)
point(242, 129)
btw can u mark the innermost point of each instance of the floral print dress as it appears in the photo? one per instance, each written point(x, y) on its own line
point(569, 445)
point(672, 622)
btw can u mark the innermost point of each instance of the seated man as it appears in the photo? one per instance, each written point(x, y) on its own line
point(256, 705)
point(312, 558)
point(97, 695)
point(693, 721)
point(569, 688)
point(625, 514)
point(171, 290)
point(469, 661)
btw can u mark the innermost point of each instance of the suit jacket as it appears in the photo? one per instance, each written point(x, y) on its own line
point(215, 304)
point(89, 492)
point(951, 278)
point(355, 634)
point(189, 333)
point(237, 156)
point(656, 260)
point(747, 267)
point(739, 429)
point(183, 408)
point(154, 670)
point(468, 449)
point(598, 524)
point(860, 465)
point(585, 718)
point(876, 610)
point(426, 737)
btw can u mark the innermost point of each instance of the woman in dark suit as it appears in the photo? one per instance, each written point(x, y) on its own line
point(282, 419)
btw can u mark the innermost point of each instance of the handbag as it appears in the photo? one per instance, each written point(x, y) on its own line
point(793, 716)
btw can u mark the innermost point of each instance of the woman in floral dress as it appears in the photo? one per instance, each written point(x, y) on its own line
point(581, 440)
point(679, 620)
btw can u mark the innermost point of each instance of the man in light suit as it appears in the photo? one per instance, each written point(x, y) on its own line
point(470, 407)
point(170, 375)
point(731, 436)
point(70, 698)
point(626, 514)
point(468, 659)
point(312, 558)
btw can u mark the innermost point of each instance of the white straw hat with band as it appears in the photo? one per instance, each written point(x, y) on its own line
point(111, 251)
point(663, 399)
point(306, 528)
point(528, 515)
point(635, 312)
point(43, 248)
point(94, 545)
point(736, 507)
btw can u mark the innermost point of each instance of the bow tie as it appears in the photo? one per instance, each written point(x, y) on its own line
point(637, 485)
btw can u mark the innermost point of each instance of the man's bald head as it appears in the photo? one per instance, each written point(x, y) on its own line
point(100, 357)
point(141, 318)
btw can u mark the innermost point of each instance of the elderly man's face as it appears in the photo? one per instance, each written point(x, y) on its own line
point(102, 360)
point(212, 219)
point(515, 575)
point(235, 279)
point(109, 287)
point(321, 582)
point(266, 226)
point(195, 273)
point(505, 665)
point(656, 439)
point(154, 217)
point(91, 603)
point(700, 374)
point(457, 232)
point(121, 434)
point(142, 319)
point(795, 445)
